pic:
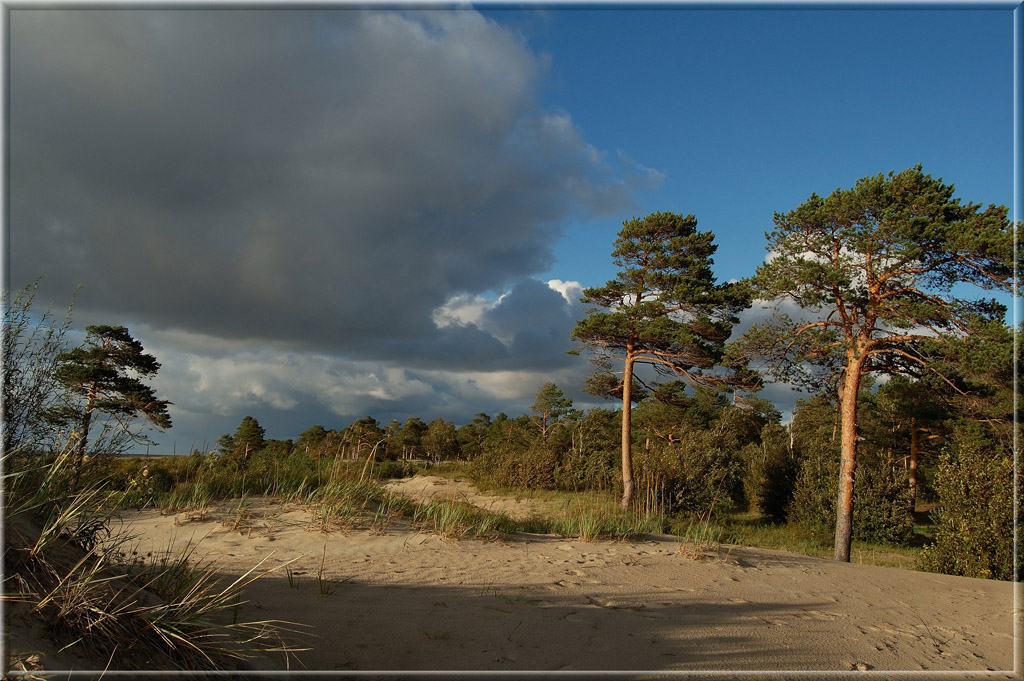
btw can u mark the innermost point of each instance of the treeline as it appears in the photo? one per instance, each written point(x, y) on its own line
point(704, 454)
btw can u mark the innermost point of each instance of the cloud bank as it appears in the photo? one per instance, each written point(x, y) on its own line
point(332, 207)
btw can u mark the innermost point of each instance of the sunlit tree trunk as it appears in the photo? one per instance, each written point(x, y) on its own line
point(848, 447)
point(627, 434)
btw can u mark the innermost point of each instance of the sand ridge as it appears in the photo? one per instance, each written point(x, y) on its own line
point(398, 599)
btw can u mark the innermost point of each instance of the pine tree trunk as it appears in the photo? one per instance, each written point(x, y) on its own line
point(627, 452)
point(848, 444)
point(83, 441)
point(915, 448)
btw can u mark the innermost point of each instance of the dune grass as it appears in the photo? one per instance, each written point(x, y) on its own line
point(597, 515)
point(65, 569)
point(346, 494)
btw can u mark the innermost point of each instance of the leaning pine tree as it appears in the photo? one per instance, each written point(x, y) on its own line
point(874, 269)
point(664, 310)
point(104, 377)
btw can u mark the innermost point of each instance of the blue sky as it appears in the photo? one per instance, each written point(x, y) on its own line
point(311, 215)
point(747, 111)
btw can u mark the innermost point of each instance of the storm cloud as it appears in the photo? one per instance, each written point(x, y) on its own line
point(290, 207)
point(327, 178)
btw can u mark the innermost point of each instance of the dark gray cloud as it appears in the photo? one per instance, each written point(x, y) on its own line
point(320, 178)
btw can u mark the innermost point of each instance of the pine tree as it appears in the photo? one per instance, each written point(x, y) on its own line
point(875, 267)
point(103, 376)
point(250, 436)
point(664, 309)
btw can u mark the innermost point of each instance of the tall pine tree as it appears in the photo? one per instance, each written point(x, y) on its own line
point(874, 267)
point(664, 309)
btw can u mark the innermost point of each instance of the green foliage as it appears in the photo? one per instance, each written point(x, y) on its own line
point(250, 436)
point(311, 438)
point(590, 460)
point(816, 487)
point(882, 511)
point(473, 434)
point(225, 444)
point(550, 408)
point(364, 437)
point(770, 470)
point(665, 305)
point(441, 441)
point(395, 469)
point(516, 465)
point(873, 268)
point(664, 309)
point(696, 475)
point(411, 437)
point(974, 515)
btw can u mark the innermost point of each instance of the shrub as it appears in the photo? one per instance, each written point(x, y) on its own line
point(881, 502)
point(881, 511)
point(513, 465)
point(816, 486)
point(974, 514)
point(770, 470)
point(396, 469)
point(696, 475)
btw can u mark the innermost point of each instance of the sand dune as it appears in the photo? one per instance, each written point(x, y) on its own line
point(402, 600)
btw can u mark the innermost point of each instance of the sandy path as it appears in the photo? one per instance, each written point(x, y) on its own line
point(401, 600)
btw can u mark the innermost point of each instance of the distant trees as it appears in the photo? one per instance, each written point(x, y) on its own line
point(875, 266)
point(664, 309)
point(440, 441)
point(411, 437)
point(104, 377)
point(473, 435)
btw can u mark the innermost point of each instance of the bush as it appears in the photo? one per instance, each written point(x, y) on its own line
point(881, 500)
point(881, 506)
point(770, 473)
point(591, 460)
point(695, 476)
point(513, 465)
point(816, 487)
point(395, 469)
point(974, 514)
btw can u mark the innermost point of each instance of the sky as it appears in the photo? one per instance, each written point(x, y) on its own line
point(313, 215)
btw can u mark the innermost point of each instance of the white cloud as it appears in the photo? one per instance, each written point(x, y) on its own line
point(572, 291)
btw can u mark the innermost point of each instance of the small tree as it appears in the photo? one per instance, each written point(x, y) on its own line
point(664, 310)
point(104, 377)
point(913, 414)
point(311, 439)
point(549, 408)
point(250, 437)
point(225, 444)
point(875, 266)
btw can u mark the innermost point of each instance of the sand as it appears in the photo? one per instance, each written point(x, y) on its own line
point(399, 599)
